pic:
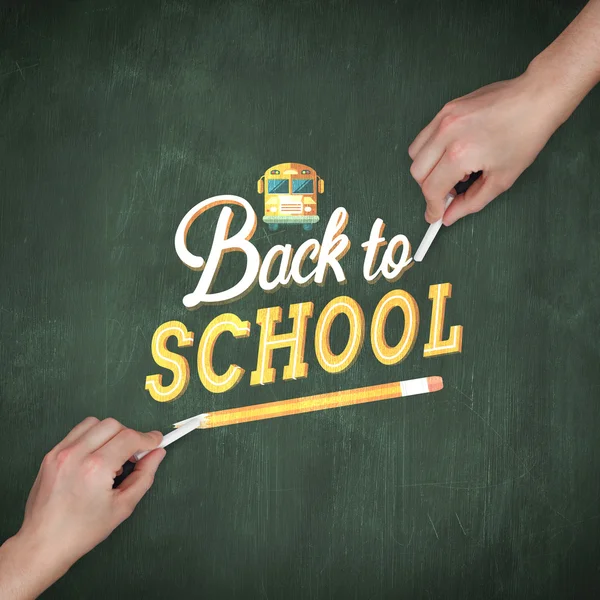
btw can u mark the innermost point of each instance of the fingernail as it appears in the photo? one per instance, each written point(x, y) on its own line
point(164, 453)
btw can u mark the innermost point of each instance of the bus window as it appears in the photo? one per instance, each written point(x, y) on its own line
point(279, 186)
point(302, 186)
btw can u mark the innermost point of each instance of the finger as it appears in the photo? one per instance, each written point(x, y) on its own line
point(437, 186)
point(77, 432)
point(100, 434)
point(427, 159)
point(481, 193)
point(139, 482)
point(424, 136)
point(125, 443)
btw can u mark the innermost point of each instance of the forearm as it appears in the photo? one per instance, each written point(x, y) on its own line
point(26, 569)
point(570, 67)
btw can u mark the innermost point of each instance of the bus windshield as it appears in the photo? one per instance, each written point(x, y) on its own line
point(279, 186)
point(302, 186)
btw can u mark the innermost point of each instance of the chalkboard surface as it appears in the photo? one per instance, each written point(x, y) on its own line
point(116, 118)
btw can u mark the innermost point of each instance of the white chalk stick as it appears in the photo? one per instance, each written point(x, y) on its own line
point(174, 435)
point(198, 418)
point(431, 233)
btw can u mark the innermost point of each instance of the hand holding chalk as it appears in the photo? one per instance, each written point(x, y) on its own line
point(459, 188)
point(171, 437)
point(71, 507)
point(500, 128)
point(431, 233)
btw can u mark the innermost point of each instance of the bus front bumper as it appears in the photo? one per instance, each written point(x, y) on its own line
point(291, 219)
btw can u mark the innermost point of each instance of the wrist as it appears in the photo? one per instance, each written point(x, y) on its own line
point(28, 566)
point(554, 89)
point(570, 67)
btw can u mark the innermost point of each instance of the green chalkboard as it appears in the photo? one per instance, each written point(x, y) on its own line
point(117, 118)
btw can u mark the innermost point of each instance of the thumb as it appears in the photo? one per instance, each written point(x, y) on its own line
point(133, 489)
point(481, 193)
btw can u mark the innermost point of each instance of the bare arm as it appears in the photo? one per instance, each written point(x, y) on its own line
point(501, 128)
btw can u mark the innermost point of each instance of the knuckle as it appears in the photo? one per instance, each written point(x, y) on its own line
point(449, 107)
point(62, 456)
point(111, 422)
point(154, 437)
point(448, 122)
point(93, 464)
point(414, 171)
point(427, 192)
point(49, 458)
point(91, 421)
point(432, 197)
point(458, 150)
point(129, 436)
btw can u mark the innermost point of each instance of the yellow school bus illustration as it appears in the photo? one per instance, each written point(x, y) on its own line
point(290, 191)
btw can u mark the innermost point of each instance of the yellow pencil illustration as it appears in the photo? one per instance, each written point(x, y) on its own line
point(294, 406)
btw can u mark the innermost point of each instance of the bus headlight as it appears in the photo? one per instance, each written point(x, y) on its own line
point(307, 209)
point(273, 209)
